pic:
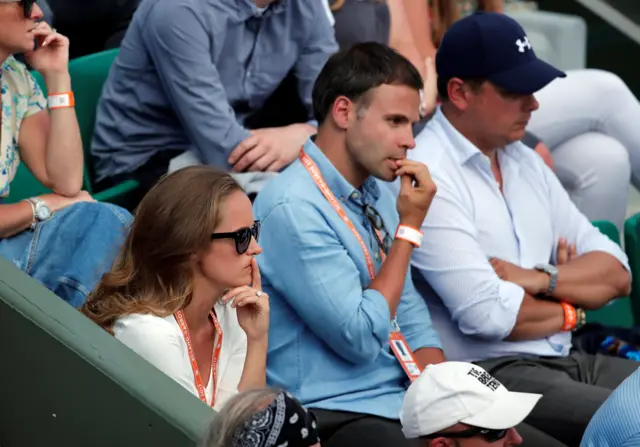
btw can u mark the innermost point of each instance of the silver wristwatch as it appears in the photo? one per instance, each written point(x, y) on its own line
point(41, 211)
point(552, 271)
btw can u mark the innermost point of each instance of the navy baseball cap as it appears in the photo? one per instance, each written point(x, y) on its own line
point(495, 47)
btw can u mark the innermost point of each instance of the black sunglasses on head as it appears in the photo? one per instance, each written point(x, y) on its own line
point(488, 434)
point(242, 237)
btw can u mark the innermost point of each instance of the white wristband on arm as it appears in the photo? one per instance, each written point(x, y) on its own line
point(61, 101)
point(409, 234)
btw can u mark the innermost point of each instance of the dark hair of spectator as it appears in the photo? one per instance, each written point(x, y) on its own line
point(352, 73)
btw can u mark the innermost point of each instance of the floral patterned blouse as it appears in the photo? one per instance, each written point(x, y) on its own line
point(21, 98)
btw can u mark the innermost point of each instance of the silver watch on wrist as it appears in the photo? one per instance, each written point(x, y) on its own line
point(552, 271)
point(41, 212)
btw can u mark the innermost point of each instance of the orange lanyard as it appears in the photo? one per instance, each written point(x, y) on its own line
point(324, 188)
point(217, 346)
point(397, 341)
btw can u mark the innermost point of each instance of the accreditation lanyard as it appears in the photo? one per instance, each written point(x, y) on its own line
point(397, 342)
point(217, 346)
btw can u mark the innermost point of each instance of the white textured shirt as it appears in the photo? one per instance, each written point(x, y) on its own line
point(470, 220)
point(160, 341)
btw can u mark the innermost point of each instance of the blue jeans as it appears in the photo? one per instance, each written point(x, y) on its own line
point(69, 252)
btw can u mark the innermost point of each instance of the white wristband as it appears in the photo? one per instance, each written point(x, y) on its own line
point(61, 101)
point(409, 234)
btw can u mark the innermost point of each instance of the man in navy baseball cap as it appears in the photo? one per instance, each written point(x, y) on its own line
point(493, 47)
point(487, 75)
point(499, 232)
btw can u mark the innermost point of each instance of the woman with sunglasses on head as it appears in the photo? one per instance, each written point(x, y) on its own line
point(185, 292)
point(63, 239)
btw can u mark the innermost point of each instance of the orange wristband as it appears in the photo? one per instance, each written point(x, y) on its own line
point(570, 317)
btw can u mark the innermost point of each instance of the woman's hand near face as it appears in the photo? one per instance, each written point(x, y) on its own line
point(252, 306)
point(52, 54)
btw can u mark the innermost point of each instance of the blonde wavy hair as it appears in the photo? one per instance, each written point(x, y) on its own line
point(238, 410)
point(153, 272)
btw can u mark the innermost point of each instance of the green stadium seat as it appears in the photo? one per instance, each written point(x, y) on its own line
point(632, 247)
point(619, 312)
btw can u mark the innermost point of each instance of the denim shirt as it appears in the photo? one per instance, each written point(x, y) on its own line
point(328, 336)
point(617, 421)
point(189, 71)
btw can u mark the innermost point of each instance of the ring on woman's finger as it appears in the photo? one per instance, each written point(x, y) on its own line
point(259, 293)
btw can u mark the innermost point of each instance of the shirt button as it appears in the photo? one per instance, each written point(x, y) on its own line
point(377, 256)
point(354, 196)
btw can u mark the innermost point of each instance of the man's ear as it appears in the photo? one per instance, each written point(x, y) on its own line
point(343, 112)
point(459, 94)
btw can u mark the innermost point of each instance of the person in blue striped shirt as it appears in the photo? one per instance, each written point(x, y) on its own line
point(617, 421)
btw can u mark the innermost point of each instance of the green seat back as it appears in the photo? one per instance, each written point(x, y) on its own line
point(632, 247)
point(619, 312)
point(66, 382)
point(88, 75)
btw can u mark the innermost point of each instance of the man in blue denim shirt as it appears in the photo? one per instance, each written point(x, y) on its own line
point(331, 323)
point(192, 73)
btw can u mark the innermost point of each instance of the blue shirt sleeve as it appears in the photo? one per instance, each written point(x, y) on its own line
point(307, 264)
point(179, 45)
point(414, 319)
point(320, 45)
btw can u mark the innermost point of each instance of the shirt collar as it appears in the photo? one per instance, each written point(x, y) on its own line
point(248, 9)
point(340, 187)
point(7, 62)
point(465, 149)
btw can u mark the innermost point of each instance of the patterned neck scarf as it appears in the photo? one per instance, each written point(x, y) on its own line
point(284, 423)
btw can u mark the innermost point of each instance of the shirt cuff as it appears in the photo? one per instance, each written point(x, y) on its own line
point(429, 339)
point(511, 297)
point(375, 306)
point(495, 315)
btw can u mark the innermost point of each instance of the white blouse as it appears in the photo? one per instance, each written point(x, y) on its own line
point(160, 342)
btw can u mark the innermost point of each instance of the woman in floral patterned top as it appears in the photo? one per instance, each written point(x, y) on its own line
point(49, 144)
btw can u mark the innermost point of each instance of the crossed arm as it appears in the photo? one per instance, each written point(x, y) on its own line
point(486, 303)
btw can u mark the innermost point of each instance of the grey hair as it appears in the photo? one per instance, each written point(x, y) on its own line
point(238, 410)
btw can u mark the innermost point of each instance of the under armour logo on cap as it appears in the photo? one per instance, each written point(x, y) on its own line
point(522, 45)
point(493, 46)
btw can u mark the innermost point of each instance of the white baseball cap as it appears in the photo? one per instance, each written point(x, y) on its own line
point(456, 392)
